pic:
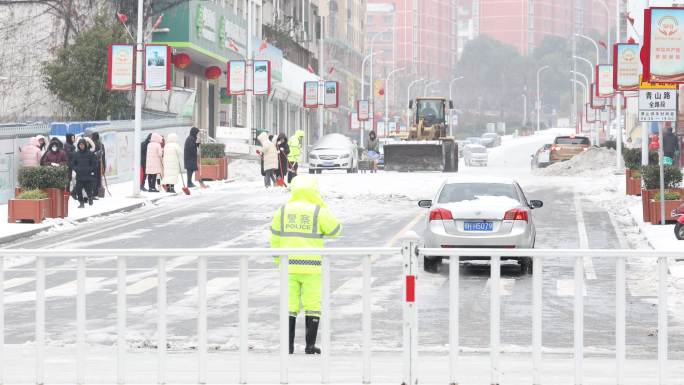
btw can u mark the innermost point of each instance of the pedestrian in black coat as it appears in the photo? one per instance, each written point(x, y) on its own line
point(190, 154)
point(670, 143)
point(283, 152)
point(143, 161)
point(100, 155)
point(84, 163)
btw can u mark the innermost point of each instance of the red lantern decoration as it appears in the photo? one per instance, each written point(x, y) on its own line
point(212, 73)
point(181, 61)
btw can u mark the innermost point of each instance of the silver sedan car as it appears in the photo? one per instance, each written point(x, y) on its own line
point(333, 152)
point(479, 213)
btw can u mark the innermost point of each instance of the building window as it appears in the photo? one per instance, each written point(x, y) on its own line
point(369, 20)
point(387, 20)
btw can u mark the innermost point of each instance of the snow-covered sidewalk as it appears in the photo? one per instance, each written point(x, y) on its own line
point(121, 200)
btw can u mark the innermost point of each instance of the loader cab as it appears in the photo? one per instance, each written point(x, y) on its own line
point(431, 110)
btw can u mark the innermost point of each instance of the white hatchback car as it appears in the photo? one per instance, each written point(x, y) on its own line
point(479, 213)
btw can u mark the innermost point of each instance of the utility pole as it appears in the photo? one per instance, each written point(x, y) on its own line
point(321, 74)
point(250, 95)
point(137, 130)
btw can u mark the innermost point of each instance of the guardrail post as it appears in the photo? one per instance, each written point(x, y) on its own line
point(409, 251)
point(454, 319)
point(244, 317)
point(537, 285)
point(620, 320)
point(121, 320)
point(494, 317)
point(366, 319)
point(284, 312)
point(662, 320)
point(80, 320)
point(579, 320)
point(161, 320)
point(2, 320)
point(40, 320)
point(325, 320)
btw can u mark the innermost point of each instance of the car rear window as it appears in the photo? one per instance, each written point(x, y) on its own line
point(578, 140)
point(459, 192)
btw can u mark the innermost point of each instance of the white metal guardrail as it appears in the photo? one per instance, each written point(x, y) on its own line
point(410, 250)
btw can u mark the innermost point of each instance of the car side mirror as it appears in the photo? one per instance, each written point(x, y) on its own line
point(410, 104)
point(536, 204)
point(425, 203)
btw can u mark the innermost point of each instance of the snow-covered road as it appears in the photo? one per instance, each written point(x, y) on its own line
point(376, 209)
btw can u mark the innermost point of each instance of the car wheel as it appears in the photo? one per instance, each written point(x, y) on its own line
point(312, 171)
point(679, 231)
point(319, 171)
point(526, 265)
point(431, 265)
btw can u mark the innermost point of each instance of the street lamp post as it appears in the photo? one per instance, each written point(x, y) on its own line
point(451, 85)
point(387, 97)
point(586, 100)
point(427, 86)
point(593, 42)
point(137, 127)
point(362, 133)
point(370, 89)
point(591, 67)
point(408, 100)
point(539, 71)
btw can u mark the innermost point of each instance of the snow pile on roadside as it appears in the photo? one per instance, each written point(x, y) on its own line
point(596, 161)
point(245, 170)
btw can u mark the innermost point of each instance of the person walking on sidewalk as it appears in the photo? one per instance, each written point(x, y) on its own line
point(84, 163)
point(143, 161)
point(283, 151)
point(55, 155)
point(270, 158)
point(154, 161)
point(30, 153)
point(670, 144)
point(171, 163)
point(303, 222)
point(190, 154)
point(295, 144)
point(100, 155)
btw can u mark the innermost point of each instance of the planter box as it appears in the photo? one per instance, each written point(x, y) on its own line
point(34, 210)
point(59, 201)
point(654, 207)
point(632, 185)
point(208, 172)
point(647, 195)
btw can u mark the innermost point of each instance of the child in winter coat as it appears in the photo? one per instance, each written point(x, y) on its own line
point(153, 165)
point(171, 162)
point(270, 156)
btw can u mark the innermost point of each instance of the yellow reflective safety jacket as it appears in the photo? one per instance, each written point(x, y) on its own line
point(303, 222)
point(295, 143)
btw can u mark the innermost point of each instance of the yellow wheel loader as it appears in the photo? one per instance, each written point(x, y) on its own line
point(427, 147)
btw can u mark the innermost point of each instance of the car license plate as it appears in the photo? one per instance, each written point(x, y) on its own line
point(544, 157)
point(478, 226)
point(328, 164)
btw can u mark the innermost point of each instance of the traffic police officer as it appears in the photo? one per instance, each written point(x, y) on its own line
point(303, 223)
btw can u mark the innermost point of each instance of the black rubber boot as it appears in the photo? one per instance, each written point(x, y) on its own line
point(311, 332)
point(293, 321)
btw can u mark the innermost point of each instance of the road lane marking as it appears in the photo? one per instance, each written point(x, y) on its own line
point(14, 282)
point(144, 285)
point(589, 271)
point(351, 287)
point(404, 230)
point(566, 288)
point(505, 287)
point(64, 290)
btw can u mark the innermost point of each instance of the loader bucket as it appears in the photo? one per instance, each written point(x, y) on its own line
point(414, 156)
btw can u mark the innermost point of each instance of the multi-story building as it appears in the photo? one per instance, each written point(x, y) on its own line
point(524, 24)
point(423, 41)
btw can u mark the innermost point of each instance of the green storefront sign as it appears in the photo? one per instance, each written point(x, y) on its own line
point(206, 28)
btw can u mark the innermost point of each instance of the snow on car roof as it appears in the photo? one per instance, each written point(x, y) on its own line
point(479, 179)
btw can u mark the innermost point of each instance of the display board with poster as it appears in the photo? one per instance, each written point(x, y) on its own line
point(331, 94)
point(604, 81)
point(157, 67)
point(596, 102)
point(590, 114)
point(261, 77)
point(311, 94)
point(663, 45)
point(626, 67)
point(680, 112)
point(120, 67)
point(354, 123)
point(363, 109)
point(237, 77)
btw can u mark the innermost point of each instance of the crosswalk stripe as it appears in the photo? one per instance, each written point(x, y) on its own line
point(67, 289)
point(566, 288)
point(14, 282)
point(506, 286)
point(144, 285)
